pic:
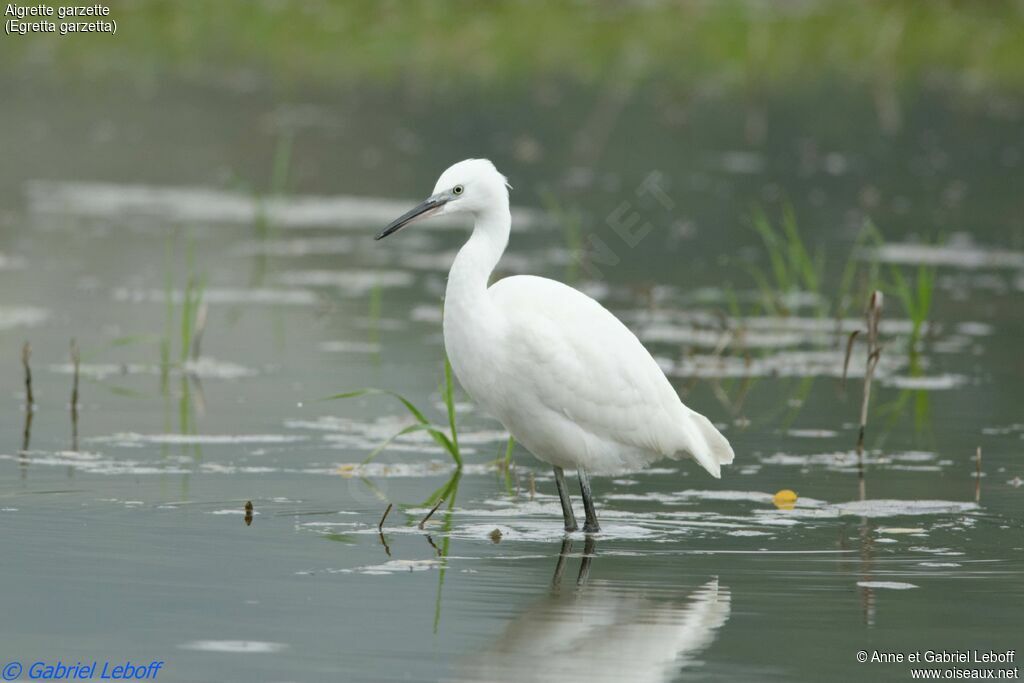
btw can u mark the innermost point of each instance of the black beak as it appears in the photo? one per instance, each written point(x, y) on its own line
point(422, 210)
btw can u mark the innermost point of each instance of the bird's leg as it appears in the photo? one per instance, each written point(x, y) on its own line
point(591, 526)
point(563, 495)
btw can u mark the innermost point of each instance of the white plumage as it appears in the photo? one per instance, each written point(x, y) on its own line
point(567, 379)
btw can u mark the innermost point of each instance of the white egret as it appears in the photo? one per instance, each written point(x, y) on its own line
point(566, 378)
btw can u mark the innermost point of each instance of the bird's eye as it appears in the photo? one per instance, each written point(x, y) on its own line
point(457, 189)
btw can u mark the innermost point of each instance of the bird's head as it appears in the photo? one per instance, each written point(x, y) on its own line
point(470, 186)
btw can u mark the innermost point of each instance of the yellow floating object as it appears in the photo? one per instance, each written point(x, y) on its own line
point(785, 499)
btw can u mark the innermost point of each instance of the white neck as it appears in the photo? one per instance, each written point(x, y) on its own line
point(473, 323)
point(466, 294)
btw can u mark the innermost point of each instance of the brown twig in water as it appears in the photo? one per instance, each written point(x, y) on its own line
point(873, 315)
point(434, 546)
point(380, 524)
point(26, 434)
point(431, 513)
point(26, 355)
point(380, 530)
point(75, 363)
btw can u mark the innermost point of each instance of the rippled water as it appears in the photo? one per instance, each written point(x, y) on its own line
point(126, 533)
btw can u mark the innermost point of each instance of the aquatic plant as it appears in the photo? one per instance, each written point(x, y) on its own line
point(793, 269)
point(448, 492)
point(872, 318)
point(869, 280)
point(193, 319)
point(76, 360)
point(917, 298)
point(449, 442)
point(26, 357)
point(505, 465)
point(380, 529)
point(894, 411)
point(26, 433)
point(508, 453)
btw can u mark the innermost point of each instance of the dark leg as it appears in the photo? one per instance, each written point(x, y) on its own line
point(591, 526)
point(563, 495)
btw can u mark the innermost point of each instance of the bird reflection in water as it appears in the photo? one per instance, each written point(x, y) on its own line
point(601, 632)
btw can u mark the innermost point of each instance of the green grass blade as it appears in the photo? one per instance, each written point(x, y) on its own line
point(772, 245)
point(387, 442)
point(449, 403)
point(800, 259)
point(413, 410)
point(439, 436)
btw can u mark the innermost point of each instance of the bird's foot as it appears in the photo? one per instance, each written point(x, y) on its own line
point(569, 528)
point(591, 527)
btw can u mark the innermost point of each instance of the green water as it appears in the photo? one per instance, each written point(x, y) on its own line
point(131, 544)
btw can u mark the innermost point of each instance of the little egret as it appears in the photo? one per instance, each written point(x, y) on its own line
point(565, 377)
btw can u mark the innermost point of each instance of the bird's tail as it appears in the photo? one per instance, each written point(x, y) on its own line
point(711, 449)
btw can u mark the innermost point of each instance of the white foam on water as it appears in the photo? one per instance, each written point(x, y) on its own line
point(351, 281)
point(795, 363)
point(812, 433)
point(960, 252)
point(924, 383)
point(11, 262)
point(1005, 429)
point(223, 295)
point(94, 463)
point(349, 347)
point(894, 585)
point(387, 568)
point(895, 508)
point(306, 246)
point(430, 468)
point(22, 316)
point(134, 439)
point(235, 646)
point(203, 368)
point(847, 460)
point(368, 435)
point(203, 205)
point(548, 531)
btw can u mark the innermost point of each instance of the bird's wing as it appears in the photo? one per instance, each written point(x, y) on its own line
point(581, 361)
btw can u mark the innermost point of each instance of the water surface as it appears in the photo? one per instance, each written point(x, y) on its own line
point(126, 534)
